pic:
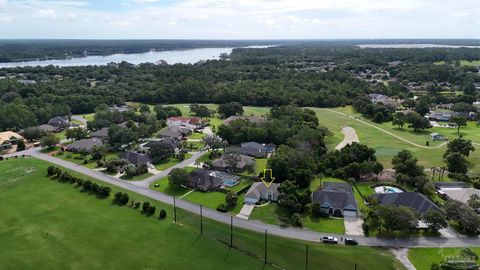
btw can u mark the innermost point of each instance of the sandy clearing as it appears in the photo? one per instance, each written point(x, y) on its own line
point(350, 137)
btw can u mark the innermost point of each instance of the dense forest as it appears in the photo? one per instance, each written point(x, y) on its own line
point(304, 75)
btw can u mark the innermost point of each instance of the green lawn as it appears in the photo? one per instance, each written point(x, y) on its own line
point(136, 177)
point(92, 164)
point(170, 162)
point(260, 165)
point(207, 199)
point(46, 224)
point(196, 136)
point(385, 145)
point(422, 258)
point(273, 214)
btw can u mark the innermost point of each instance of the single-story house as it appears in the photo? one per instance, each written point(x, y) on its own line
point(101, 133)
point(458, 191)
point(84, 145)
point(414, 200)
point(176, 132)
point(122, 108)
point(188, 122)
point(377, 97)
point(255, 149)
point(48, 128)
point(8, 139)
point(204, 180)
point(135, 158)
point(259, 191)
point(252, 119)
point(437, 137)
point(441, 116)
point(336, 199)
point(242, 164)
point(168, 142)
point(59, 122)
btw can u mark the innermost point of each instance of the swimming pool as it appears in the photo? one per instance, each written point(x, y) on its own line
point(230, 182)
point(387, 189)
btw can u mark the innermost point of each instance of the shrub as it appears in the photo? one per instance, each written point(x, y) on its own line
point(145, 207)
point(221, 208)
point(151, 210)
point(85, 161)
point(297, 220)
point(79, 181)
point(87, 185)
point(137, 205)
point(366, 229)
point(104, 191)
point(476, 185)
point(163, 214)
point(51, 170)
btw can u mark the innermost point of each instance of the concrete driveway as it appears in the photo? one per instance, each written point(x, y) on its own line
point(246, 211)
point(353, 225)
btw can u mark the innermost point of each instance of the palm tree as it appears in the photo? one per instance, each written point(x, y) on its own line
point(197, 163)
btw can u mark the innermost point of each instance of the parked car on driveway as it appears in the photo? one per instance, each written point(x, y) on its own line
point(329, 240)
point(351, 241)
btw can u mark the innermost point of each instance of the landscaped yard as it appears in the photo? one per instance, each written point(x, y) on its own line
point(79, 159)
point(423, 258)
point(170, 162)
point(273, 214)
point(51, 225)
point(136, 177)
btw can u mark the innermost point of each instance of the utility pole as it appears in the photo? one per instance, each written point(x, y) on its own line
point(201, 219)
point(265, 246)
point(174, 211)
point(231, 231)
point(306, 259)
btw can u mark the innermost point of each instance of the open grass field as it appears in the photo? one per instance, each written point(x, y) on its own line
point(46, 224)
point(75, 158)
point(385, 145)
point(422, 258)
point(463, 63)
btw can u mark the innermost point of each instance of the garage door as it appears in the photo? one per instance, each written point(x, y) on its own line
point(348, 213)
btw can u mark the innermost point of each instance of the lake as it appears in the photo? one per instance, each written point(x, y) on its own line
point(171, 57)
point(413, 46)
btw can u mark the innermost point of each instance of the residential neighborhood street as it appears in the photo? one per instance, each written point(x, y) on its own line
point(300, 234)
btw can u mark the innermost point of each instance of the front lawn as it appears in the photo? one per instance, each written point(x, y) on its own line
point(136, 177)
point(207, 199)
point(80, 159)
point(273, 214)
point(423, 258)
point(170, 162)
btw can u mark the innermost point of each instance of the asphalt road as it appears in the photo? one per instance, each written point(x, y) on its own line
point(300, 234)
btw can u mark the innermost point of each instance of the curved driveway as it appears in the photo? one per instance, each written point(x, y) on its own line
point(300, 234)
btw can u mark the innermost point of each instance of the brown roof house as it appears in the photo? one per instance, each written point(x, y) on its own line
point(8, 139)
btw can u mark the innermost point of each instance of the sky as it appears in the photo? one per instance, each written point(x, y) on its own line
point(239, 19)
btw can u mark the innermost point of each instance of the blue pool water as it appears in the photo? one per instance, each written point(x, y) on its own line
point(230, 183)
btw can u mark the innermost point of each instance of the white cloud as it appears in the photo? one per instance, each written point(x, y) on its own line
point(242, 19)
point(45, 14)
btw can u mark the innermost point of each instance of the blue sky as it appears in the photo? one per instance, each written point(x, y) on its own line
point(240, 19)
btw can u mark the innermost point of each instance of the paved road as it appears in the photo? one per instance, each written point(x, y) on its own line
point(388, 132)
point(301, 234)
point(146, 182)
point(79, 118)
point(350, 137)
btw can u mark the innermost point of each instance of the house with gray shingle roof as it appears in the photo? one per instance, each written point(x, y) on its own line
point(84, 145)
point(414, 200)
point(135, 158)
point(259, 191)
point(243, 163)
point(336, 199)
